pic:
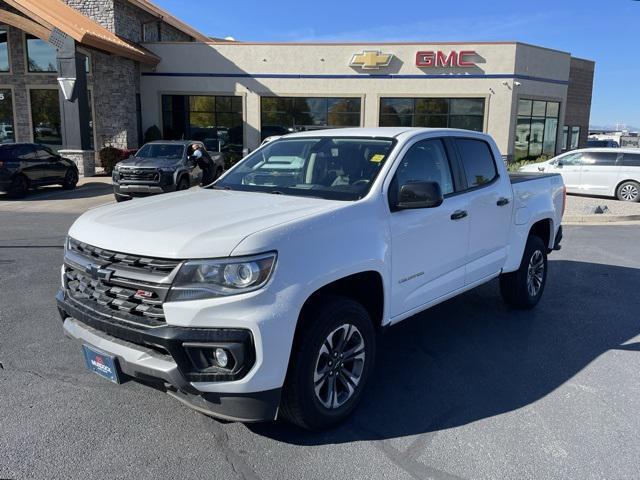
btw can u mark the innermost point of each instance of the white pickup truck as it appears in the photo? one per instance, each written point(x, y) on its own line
point(261, 296)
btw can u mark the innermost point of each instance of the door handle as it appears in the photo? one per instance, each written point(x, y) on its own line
point(502, 202)
point(458, 214)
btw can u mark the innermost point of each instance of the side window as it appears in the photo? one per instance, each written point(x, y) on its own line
point(601, 159)
point(631, 160)
point(42, 153)
point(426, 161)
point(477, 159)
point(574, 159)
point(25, 152)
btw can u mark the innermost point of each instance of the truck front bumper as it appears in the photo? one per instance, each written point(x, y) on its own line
point(131, 190)
point(161, 356)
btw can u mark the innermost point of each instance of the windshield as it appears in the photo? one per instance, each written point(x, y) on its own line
point(161, 150)
point(336, 168)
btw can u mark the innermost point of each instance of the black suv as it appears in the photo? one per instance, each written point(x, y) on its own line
point(164, 166)
point(25, 165)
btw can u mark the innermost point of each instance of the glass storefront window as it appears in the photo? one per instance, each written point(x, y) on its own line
point(41, 55)
point(565, 137)
point(4, 49)
point(6, 116)
point(536, 129)
point(466, 113)
point(282, 115)
point(214, 120)
point(45, 117)
point(575, 137)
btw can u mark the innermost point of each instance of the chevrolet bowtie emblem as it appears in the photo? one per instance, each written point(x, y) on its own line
point(371, 59)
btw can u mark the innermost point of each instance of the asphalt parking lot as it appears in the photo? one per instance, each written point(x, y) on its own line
point(467, 390)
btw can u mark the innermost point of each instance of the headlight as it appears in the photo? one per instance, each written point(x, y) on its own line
point(199, 279)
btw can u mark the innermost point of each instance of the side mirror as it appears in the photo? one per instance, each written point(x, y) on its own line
point(419, 195)
point(559, 164)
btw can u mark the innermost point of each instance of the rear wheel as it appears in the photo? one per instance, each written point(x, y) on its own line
point(628, 191)
point(19, 187)
point(523, 288)
point(70, 179)
point(330, 364)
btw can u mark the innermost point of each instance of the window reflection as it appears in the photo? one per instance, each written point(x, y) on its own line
point(536, 129)
point(45, 115)
point(6, 116)
point(216, 121)
point(41, 55)
point(282, 115)
point(4, 50)
point(466, 113)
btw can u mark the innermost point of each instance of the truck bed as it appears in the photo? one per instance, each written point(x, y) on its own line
point(519, 177)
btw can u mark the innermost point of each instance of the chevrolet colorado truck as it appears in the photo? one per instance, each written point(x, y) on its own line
point(262, 295)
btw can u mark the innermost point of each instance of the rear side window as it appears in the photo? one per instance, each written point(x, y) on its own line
point(601, 159)
point(478, 162)
point(25, 152)
point(630, 160)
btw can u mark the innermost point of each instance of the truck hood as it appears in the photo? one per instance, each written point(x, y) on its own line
point(150, 162)
point(192, 224)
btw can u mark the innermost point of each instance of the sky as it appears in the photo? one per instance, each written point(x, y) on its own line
point(607, 32)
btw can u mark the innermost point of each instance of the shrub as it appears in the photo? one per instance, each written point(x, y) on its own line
point(515, 166)
point(152, 134)
point(109, 156)
point(231, 158)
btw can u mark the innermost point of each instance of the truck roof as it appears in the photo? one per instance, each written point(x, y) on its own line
point(375, 132)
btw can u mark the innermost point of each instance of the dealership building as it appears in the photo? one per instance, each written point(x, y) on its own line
point(79, 75)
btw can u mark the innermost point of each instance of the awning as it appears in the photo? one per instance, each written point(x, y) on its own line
point(43, 16)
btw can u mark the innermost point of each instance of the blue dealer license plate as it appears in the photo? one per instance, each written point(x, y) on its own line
point(100, 363)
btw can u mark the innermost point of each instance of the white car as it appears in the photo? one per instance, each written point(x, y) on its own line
point(611, 172)
point(262, 295)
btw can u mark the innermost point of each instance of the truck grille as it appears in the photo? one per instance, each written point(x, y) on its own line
point(123, 259)
point(124, 287)
point(140, 175)
point(141, 304)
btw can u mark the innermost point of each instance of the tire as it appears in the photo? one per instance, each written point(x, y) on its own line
point(120, 198)
point(307, 400)
point(70, 179)
point(183, 184)
point(628, 191)
point(523, 288)
point(19, 187)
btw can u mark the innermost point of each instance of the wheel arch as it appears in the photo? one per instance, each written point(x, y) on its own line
point(366, 288)
point(619, 184)
point(543, 229)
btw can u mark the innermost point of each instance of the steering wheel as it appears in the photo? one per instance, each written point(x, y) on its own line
point(362, 181)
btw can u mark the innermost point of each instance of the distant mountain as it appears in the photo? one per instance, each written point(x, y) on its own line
point(630, 128)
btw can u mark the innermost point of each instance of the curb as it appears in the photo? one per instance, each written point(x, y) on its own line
point(601, 218)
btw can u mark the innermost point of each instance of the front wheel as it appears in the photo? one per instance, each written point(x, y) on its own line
point(523, 288)
point(183, 183)
point(629, 191)
point(330, 364)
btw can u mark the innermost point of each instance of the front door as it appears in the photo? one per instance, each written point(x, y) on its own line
point(570, 167)
point(429, 245)
point(54, 169)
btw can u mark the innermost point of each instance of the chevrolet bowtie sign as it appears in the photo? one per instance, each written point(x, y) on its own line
point(371, 60)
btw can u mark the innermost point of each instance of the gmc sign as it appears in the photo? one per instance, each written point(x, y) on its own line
point(442, 59)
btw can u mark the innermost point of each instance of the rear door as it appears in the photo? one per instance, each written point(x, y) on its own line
point(428, 245)
point(490, 203)
point(599, 174)
point(54, 169)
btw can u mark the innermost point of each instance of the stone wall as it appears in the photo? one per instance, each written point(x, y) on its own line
point(578, 109)
point(100, 11)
